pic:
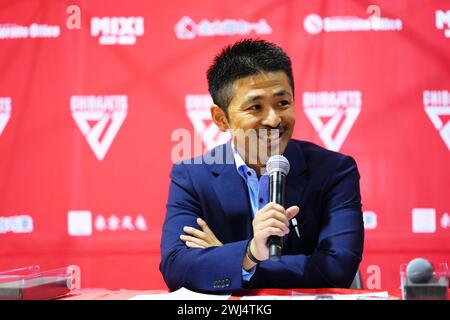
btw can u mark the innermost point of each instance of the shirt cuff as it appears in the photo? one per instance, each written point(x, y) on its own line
point(247, 275)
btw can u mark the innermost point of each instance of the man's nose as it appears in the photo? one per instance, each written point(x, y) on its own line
point(272, 119)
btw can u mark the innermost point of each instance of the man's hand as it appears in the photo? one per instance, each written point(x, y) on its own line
point(200, 239)
point(272, 220)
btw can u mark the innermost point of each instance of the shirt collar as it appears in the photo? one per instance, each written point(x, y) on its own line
point(241, 166)
point(239, 162)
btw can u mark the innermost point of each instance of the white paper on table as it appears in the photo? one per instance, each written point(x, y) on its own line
point(180, 294)
point(300, 296)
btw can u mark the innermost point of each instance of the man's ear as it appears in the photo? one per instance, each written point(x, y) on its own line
point(219, 117)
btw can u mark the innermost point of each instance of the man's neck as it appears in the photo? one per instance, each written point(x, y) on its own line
point(259, 168)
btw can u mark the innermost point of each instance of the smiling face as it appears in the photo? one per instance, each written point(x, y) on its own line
point(262, 109)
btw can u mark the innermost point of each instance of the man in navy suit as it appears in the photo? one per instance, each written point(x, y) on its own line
point(218, 216)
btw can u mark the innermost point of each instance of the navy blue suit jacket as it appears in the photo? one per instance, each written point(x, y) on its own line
point(324, 184)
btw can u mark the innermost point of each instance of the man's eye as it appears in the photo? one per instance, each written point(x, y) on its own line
point(283, 103)
point(254, 107)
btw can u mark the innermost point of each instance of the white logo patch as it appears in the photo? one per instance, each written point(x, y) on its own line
point(198, 111)
point(332, 114)
point(437, 107)
point(117, 30)
point(443, 21)
point(187, 29)
point(424, 220)
point(106, 112)
point(79, 223)
point(5, 112)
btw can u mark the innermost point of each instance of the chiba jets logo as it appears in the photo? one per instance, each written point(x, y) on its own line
point(332, 114)
point(198, 111)
point(5, 112)
point(99, 119)
point(437, 107)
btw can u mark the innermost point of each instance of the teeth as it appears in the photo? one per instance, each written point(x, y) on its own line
point(270, 137)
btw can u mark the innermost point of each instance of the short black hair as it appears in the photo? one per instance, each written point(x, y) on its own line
point(244, 58)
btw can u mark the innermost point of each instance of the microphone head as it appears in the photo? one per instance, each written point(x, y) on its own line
point(278, 163)
point(419, 270)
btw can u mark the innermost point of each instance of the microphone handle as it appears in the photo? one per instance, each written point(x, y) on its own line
point(276, 194)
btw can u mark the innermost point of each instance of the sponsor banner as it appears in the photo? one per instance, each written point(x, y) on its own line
point(90, 62)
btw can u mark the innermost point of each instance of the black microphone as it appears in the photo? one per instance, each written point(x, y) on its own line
point(421, 282)
point(278, 168)
point(419, 270)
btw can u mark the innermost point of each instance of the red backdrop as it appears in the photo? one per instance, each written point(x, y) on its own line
point(88, 112)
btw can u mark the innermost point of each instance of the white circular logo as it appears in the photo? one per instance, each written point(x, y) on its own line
point(313, 24)
point(186, 28)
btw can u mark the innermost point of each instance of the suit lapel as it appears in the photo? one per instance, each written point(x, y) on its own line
point(232, 193)
point(296, 179)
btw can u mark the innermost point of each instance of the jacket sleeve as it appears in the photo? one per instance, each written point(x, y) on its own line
point(209, 270)
point(340, 243)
